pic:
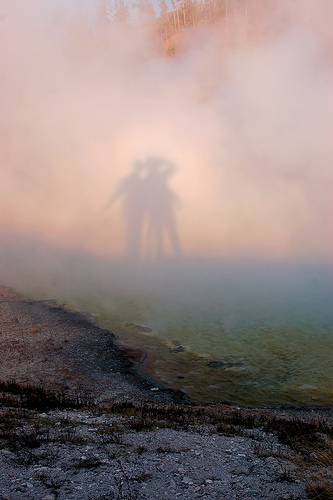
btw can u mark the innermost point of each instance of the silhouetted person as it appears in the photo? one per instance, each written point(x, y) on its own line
point(148, 210)
point(161, 201)
point(131, 191)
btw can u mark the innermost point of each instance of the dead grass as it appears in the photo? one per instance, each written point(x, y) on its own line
point(308, 435)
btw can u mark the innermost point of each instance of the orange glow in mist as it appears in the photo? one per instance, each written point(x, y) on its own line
point(246, 124)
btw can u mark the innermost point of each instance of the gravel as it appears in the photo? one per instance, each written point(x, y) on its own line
point(96, 454)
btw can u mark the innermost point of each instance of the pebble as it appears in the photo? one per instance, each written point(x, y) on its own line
point(180, 348)
point(7, 453)
point(196, 489)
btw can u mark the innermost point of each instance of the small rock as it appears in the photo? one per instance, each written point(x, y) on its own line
point(180, 348)
point(34, 329)
point(7, 453)
point(216, 364)
point(225, 364)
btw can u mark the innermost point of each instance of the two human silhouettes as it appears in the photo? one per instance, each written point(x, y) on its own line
point(149, 210)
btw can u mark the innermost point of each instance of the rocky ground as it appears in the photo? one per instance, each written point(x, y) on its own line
point(79, 422)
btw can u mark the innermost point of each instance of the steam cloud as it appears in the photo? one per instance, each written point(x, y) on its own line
point(244, 114)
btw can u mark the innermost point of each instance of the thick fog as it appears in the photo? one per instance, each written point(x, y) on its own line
point(114, 151)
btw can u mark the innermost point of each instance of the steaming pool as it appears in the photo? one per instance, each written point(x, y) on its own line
point(249, 336)
point(242, 333)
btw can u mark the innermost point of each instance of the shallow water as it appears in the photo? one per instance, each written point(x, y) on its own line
point(245, 333)
point(247, 336)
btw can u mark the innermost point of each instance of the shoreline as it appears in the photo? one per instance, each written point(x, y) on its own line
point(128, 359)
point(44, 342)
point(79, 421)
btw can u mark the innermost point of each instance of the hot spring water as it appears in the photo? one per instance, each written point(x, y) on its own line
point(245, 334)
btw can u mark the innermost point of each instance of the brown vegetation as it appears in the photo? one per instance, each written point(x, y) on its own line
point(308, 434)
